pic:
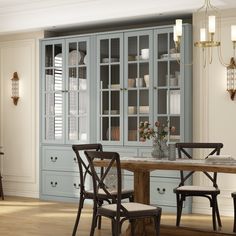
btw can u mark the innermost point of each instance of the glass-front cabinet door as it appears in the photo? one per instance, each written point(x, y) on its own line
point(77, 101)
point(65, 100)
point(137, 82)
point(52, 87)
point(167, 85)
point(110, 91)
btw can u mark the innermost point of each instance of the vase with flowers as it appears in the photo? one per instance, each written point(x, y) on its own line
point(159, 135)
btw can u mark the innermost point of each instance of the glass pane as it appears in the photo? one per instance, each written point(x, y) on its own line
point(132, 98)
point(49, 56)
point(115, 76)
point(105, 103)
point(82, 53)
point(132, 48)
point(174, 73)
point(58, 127)
point(162, 46)
point(144, 70)
point(73, 128)
point(104, 76)
point(58, 104)
point(132, 128)
point(172, 44)
point(49, 104)
point(144, 47)
point(115, 102)
point(105, 128)
point(58, 79)
point(104, 51)
point(162, 101)
point(115, 50)
point(73, 104)
point(115, 128)
point(83, 128)
point(49, 80)
point(83, 103)
point(144, 102)
point(58, 56)
point(174, 102)
point(132, 75)
point(73, 54)
point(175, 121)
point(50, 126)
point(162, 70)
point(73, 81)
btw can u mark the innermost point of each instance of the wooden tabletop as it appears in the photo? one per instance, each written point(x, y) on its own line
point(150, 164)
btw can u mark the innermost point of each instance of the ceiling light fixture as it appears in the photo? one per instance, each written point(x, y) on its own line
point(210, 32)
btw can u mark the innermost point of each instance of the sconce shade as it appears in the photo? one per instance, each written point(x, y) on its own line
point(231, 78)
point(15, 88)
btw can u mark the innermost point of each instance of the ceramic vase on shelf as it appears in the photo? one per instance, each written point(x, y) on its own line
point(160, 149)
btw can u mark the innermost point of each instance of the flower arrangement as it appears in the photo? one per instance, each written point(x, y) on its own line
point(158, 134)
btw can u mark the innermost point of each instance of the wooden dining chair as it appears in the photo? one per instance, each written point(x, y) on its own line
point(234, 201)
point(85, 175)
point(210, 192)
point(119, 211)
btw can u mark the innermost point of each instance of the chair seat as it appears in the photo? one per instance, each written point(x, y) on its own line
point(197, 188)
point(133, 208)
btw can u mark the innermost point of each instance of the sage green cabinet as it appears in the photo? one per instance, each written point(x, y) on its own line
point(98, 88)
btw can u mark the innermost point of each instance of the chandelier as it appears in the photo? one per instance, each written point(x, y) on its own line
point(209, 38)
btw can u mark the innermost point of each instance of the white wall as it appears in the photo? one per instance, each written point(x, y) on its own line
point(19, 124)
point(214, 114)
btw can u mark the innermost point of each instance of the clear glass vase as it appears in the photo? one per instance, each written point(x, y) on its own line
point(160, 148)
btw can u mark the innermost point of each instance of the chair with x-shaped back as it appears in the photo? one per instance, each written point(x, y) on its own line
point(184, 190)
point(86, 176)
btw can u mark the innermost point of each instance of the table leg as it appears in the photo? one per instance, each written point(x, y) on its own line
point(142, 195)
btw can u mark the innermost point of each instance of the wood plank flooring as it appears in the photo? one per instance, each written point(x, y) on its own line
point(31, 217)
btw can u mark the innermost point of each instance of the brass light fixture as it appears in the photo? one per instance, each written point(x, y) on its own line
point(210, 32)
point(231, 78)
point(15, 88)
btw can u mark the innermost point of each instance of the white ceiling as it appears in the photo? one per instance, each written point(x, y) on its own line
point(25, 15)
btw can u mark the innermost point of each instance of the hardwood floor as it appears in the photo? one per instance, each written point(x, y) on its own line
point(31, 217)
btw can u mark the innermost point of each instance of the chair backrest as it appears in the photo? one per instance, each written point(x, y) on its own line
point(84, 166)
point(185, 150)
point(112, 163)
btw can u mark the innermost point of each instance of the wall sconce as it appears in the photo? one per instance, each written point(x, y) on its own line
point(15, 88)
point(231, 78)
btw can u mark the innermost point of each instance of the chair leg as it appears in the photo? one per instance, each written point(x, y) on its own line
point(93, 225)
point(179, 208)
point(214, 213)
point(218, 215)
point(157, 220)
point(81, 204)
point(1, 188)
point(99, 217)
point(234, 228)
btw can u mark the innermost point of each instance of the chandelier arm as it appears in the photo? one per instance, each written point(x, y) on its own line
point(210, 55)
point(221, 58)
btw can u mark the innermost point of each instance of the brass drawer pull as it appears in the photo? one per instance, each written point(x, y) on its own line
point(53, 159)
point(53, 184)
point(77, 186)
point(161, 191)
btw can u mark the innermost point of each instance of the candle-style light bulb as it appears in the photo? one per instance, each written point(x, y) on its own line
point(178, 24)
point(212, 24)
point(202, 34)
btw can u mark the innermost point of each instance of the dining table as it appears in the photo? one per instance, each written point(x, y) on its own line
point(141, 168)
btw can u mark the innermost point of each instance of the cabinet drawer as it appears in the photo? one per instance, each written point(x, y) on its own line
point(59, 159)
point(161, 191)
point(60, 184)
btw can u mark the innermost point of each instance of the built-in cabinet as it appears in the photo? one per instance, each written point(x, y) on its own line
point(98, 88)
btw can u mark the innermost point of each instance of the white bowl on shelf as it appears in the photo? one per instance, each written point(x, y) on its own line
point(132, 110)
point(145, 53)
